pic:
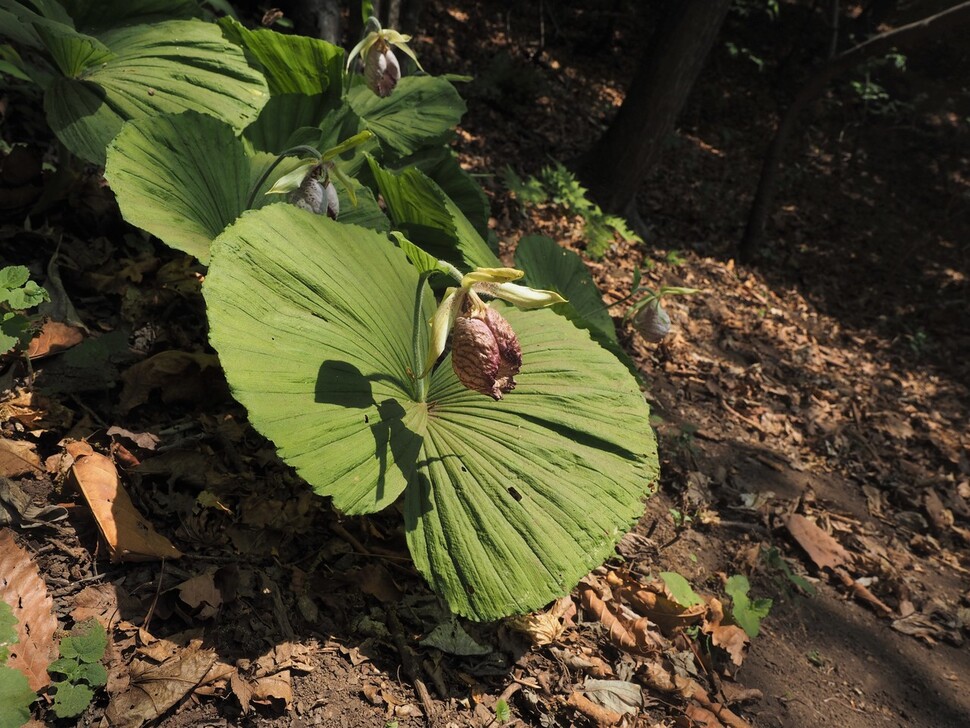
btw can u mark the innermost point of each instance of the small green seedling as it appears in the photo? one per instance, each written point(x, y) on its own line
point(680, 589)
point(17, 294)
point(680, 518)
point(80, 664)
point(746, 612)
point(502, 712)
point(774, 560)
point(15, 693)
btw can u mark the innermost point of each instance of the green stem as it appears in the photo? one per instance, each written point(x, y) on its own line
point(417, 356)
point(302, 148)
point(451, 270)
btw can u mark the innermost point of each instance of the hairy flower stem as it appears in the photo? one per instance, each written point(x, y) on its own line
point(301, 149)
point(445, 266)
point(417, 352)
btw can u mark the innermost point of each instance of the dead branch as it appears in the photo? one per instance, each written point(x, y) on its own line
point(409, 663)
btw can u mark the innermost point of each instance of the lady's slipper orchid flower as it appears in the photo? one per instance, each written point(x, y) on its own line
point(315, 196)
point(485, 352)
point(381, 68)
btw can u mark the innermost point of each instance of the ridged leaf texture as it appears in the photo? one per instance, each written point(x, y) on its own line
point(507, 504)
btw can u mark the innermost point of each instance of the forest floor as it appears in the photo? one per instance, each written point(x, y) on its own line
point(812, 412)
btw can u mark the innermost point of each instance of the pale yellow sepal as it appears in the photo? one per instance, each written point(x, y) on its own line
point(491, 275)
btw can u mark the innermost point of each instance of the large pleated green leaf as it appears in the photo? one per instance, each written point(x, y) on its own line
point(507, 504)
point(441, 165)
point(165, 67)
point(305, 79)
point(184, 177)
point(550, 266)
point(312, 322)
point(420, 112)
point(292, 64)
point(421, 209)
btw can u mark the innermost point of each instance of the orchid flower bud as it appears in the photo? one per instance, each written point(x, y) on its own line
point(316, 196)
point(309, 196)
point(381, 69)
point(376, 50)
point(485, 353)
point(652, 322)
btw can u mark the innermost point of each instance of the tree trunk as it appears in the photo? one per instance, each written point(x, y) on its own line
point(319, 18)
point(905, 35)
point(617, 164)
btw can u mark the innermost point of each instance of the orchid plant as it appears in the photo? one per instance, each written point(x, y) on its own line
point(330, 213)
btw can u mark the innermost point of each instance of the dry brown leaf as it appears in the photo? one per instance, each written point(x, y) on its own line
point(22, 587)
point(702, 717)
point(22, 407)
point(544, 628)
point(822, 548)
point(156, 688)
point(144, 440)
point(53, 338)
point(202, 595)
point(656, 677)
point(18, 457)
point(273, 687)
point(215, 681)
point(600, 715)
point(181, 376)
point(373, 694)
point(77, 448)
point(734, 693)
point(242, 690)
point(729, 637)
point(590, 664)
point(286, 656)
point(105, 602)
point(128, 535)
point(635, 637)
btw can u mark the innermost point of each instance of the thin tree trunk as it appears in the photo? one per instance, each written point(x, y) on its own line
point(905, 35)
point(617, 164)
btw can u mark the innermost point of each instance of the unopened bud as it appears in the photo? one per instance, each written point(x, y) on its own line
point(309, 196)
point(485, 353)
point(652, 322)
point(381, 69)
point(316, 197)
point(333, 202)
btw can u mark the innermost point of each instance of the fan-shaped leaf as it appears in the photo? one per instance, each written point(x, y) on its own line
point(181, 177)
point(507, 504)
point(440, 164)
point(166, 67)
point(292, 64)
point(430, 218)
point(548, 265)
point(421, 111)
